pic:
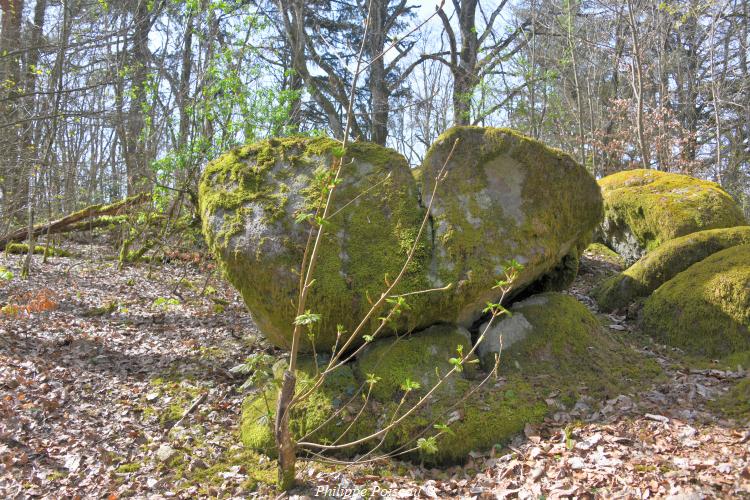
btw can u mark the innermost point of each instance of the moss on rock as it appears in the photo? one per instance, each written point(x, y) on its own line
point(645, 208)
point(661, 265)
point(250, 198)
point(479, 417)
point(506, 197)
point(311, 416)
point(704, 310)
point(601, 252)
point(555, 343)
point(567, 353)
point(565, 356)
point(419, 357)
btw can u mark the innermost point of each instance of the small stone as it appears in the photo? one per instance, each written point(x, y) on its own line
point(657, 418)
point(576, 463)
point(165, 453)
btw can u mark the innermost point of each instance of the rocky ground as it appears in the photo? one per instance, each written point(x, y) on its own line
point(117, 383)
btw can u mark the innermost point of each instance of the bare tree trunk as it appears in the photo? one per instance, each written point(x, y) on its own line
point(26, 268)
point(465, 77)
point(378, 83)
point(284, 440)
point(15, 184)
point(293, 14)
point(139, 176)
point(573, 59)
point(715, 92)
point(637, 83)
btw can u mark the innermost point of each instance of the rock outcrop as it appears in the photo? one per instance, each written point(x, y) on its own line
point(645, 208)
point(505, 197)
point(664, 263)
point(705, 309)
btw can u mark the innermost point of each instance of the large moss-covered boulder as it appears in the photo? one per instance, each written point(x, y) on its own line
point(705, 310)
point(645, 208)
point(250, 201)
point(564, 355)
point(661, 265)
point(506, 196)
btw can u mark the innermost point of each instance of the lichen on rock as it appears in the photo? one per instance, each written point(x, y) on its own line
point(661, 265)
point(506, 197)
point(645, 208)
point(250, 198)
point(704, 310)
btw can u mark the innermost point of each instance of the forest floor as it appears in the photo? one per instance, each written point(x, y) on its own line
point(117, 383)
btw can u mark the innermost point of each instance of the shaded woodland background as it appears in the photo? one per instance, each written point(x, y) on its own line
point(101, 99)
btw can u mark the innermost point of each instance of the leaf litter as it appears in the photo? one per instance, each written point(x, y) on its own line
point(117, 384)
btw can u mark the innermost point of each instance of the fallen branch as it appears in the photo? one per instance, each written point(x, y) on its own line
point(65, 223)
point(190, 410)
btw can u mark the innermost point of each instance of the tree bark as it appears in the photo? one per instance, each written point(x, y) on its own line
point(14, 184)
point(379, 92)
point(140, 178)
point(637, 83)
point(284, 441)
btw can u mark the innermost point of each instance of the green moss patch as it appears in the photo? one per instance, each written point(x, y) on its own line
point(661, 265)
point(420, 358)
point(601, 252)
point(705, 310)
point(506, 196)
point(250, 199)
point(735, 403)
point(127, 468)
point(179, 393)
point(261, 472)
point(23, 248)
point(645, 208)
point(311, 416)
point(566, 357)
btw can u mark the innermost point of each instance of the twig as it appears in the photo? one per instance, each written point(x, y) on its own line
point(190, 410)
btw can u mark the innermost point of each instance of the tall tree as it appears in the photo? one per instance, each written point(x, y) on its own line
point(473, 55)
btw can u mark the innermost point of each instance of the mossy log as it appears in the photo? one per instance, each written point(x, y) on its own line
point(69, 222)
point(23, 248)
